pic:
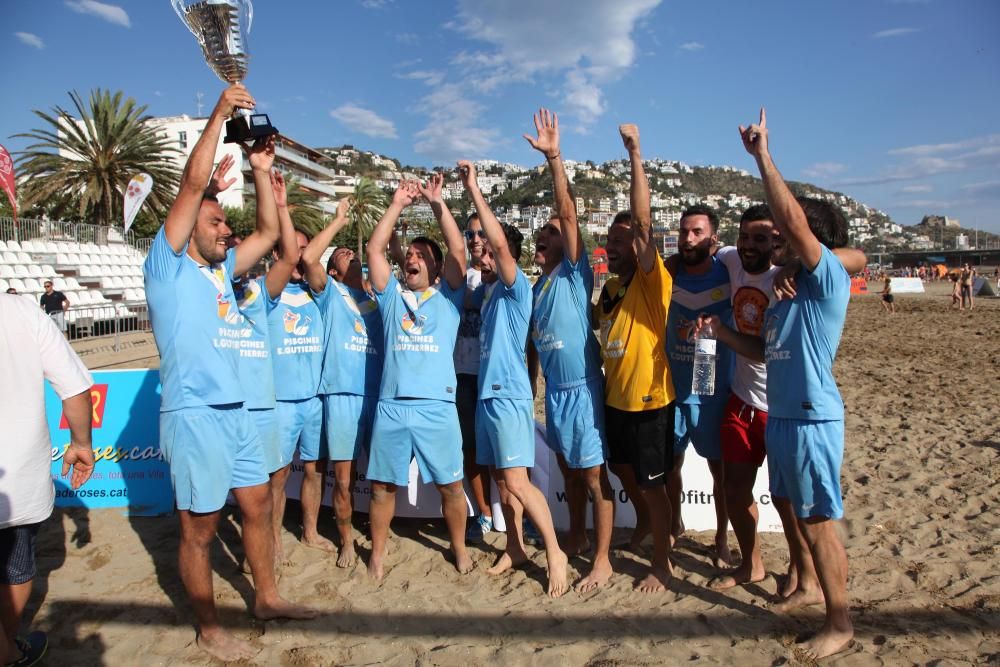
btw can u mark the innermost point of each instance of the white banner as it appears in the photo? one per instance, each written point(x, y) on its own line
point(423, 500)
point(138, 189)
point(905, 286)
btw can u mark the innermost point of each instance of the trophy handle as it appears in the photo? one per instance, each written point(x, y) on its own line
point(249, 6)
point(178, 6)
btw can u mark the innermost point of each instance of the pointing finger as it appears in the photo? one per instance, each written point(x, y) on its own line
point(763, 118)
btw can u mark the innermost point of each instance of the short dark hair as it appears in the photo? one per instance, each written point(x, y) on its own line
point(329, 261)
point(622, 218)
point(468, 221)
point(701, 209)
point(826, 222)
point(209, 196)
point(514, 238)
point(435, 248)
point(755, 213)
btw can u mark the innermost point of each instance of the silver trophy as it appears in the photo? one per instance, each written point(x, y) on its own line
point(221, 27)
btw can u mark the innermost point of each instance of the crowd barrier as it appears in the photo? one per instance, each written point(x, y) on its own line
point(105, 321)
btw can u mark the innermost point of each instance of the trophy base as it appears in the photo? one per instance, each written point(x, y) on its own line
point(247, 128)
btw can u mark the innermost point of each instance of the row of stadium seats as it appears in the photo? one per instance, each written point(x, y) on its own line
point(93, 270)
point(28, 271)
point(12, 257)
point(119, 282)
point(53, 247)
point(69, 259)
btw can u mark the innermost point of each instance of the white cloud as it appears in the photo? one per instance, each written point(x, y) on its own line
point(592, 47)
point(158, 93)
point(365, 121)
point(407, 38)
point(30, 39)
point(987, 190)
point(453, 135)
point(375, 4)
point(924, 160)
point(110, 13)
point(911, 189)
point(430, 77)
point(692, 46)
point(824, 169)
point(894, 32)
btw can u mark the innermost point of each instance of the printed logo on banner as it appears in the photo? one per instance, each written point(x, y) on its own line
point(98, 400)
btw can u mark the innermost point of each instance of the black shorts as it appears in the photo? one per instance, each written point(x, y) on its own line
point(17, 553)
point(643, 440)
point(888, 298)
point(466, 398)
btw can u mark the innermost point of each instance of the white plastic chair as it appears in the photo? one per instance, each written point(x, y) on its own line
point(21, 271)
point(6, 271)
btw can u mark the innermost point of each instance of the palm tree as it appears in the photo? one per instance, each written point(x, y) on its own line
point(306, 214)
point(84, 164)
point(368, 205)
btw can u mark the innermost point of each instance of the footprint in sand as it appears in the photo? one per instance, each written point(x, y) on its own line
point(101, 558)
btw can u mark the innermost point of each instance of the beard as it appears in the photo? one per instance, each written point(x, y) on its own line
point(695, 255)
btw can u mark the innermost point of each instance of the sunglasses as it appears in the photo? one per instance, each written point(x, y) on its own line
point(473, 233)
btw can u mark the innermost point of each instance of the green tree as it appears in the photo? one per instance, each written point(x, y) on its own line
point(80, 168)
point(306, 213)
point(367, 206)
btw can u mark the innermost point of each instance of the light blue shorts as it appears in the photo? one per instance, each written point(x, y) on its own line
point(266, 420)
point(300, 424)
point(698, 424)
point(803, 462)
point(505, 433)
point(574, 423)
point(347, 424)
point(425, 429)
point(210, 450)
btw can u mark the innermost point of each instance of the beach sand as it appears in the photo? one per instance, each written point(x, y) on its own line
point(920, 480)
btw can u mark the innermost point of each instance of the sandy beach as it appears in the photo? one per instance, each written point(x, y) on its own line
point(920, 479)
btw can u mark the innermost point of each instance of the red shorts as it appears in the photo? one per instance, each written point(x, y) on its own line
point(742, 432)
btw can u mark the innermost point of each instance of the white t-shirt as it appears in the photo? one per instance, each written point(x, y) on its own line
point(32, 350)
point(467, 344)
point(751, 296)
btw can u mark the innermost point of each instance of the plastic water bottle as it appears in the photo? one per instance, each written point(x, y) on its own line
point(703, 377)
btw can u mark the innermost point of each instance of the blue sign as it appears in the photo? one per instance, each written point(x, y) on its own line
point(129, 470)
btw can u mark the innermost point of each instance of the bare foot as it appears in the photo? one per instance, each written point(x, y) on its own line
point(347, 556)
point(317, 541)
point(723, 556)
point(828, 642)
point(800, 598)
point(599, 575)
point(656, 581)
point(376, 568)
point(507, 562)
point(736, 577)
point(577, 545)
point(222, 645)
point(463, 561)
point(282, 608)
point(557, 564)
point(790, 583)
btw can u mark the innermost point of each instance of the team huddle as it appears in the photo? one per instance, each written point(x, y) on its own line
point(312, 359)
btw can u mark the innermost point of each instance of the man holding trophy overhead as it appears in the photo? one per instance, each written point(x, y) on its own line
point(206, 434)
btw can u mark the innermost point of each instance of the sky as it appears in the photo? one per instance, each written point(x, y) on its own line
point(893, 102)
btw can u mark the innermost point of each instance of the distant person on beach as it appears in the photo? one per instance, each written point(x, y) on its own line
point(956, 291)
point(207, 435)
point(351, 367)
point(888, 300)
point(505, 421)
point(639, 393)
point(416, 415)
point(563, 346)
point(33, 350)
point(967, 279)
point(805, 427)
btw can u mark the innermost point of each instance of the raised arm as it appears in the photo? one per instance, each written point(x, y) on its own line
point(183, 212)
point(748, 345)
point(787, 214)
point(454, 262)
point(645, 249)
point(378, 266)
point(313, 254)
point(263, 238)
point(547, 143)
point(506, 264)
point(281, 270)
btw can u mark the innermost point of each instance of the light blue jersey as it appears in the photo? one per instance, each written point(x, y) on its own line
point(197, 327)
point(419, 330)
point(506, 313)
point(296, 330)
point(801, 337)
point(256, 373)
point(352, 360)
point(560, 325)
point(693, 295)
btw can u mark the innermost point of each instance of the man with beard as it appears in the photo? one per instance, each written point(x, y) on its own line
point(701, 285)
point(805, 427)
point(416, 414)
point(207, 436)
point(505, 423)
point(639, 394)
point(351, 369)
point(563, 344)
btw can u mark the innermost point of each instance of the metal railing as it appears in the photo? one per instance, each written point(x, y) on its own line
point(106, 320)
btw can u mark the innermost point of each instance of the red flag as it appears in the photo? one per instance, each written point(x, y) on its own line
point(7, 178)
